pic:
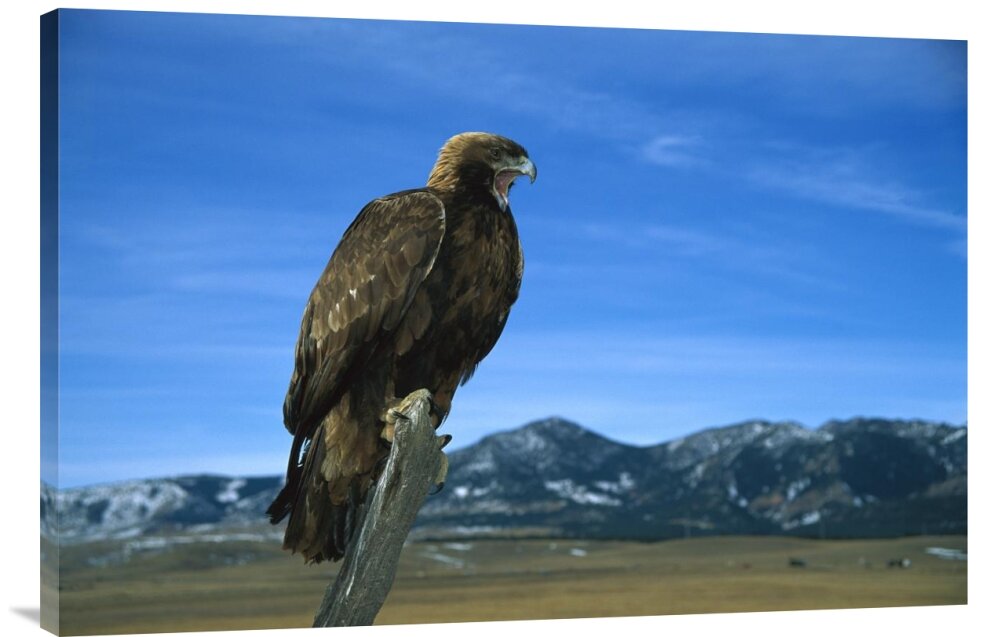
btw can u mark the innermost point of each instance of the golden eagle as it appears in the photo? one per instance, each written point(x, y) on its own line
point(415, 296)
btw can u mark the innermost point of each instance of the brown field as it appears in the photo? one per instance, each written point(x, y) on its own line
point(190, 589)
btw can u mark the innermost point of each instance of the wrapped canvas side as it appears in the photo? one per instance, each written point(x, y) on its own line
point(49, 329)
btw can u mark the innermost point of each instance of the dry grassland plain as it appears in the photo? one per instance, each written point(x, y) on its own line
point(192, 587)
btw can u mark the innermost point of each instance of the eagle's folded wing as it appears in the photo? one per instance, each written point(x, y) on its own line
point(360, 298)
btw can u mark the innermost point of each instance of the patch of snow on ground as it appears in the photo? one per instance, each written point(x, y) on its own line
point(531, 441)
point(231, 491)
point(164, 542)
point(566, 488)
point(797, 487)
point(695, 475)
point(473, 530)
point(463, 491)
point(445, 559)
point(952, 437)
point(125, 506)
point(624, 483)
point(811, 518)
point(732, 491)
point(946, 554)
point(127, 533)
point(483, 462)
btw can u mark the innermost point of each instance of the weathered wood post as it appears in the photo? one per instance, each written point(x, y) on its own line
point(355, 597)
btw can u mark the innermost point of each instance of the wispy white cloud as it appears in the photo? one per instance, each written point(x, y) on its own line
point(841, 177)
point(676, 136)
point(675, 151)
point(847, 184)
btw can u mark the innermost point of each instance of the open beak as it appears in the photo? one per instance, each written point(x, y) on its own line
point(505, 179)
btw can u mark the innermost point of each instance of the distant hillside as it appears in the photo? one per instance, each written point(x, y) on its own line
point(862, 477)
point(855, 478)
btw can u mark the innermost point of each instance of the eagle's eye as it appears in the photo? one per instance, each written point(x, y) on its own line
point(495, 152)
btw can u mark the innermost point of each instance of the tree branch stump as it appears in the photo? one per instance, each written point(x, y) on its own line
point(355, 597)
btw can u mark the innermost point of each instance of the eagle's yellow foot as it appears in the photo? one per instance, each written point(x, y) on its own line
point(397, 409)
point(388, 432)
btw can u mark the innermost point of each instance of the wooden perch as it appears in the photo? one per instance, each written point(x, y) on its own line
point(369, 567)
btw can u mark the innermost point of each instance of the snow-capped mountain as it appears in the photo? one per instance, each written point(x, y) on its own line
point(861, 477)
point(139, 507)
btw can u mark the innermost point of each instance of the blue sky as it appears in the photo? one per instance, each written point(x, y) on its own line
point(723, 227)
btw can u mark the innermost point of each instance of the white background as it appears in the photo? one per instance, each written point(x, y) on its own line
point(958, 19)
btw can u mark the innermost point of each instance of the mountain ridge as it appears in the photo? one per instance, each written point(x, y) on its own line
point(860, 477)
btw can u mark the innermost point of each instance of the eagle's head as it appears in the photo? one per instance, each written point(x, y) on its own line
point(481, 160)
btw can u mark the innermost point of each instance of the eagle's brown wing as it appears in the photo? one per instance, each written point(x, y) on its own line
point(361, 296)
point(358, 302)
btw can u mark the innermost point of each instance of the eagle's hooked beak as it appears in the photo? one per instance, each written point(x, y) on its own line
point(505, 179)
point(527, 167)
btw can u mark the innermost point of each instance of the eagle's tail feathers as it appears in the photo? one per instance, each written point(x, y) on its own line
point(336, 543)
point(317, 529)
point(286, 498)
point(282, 504)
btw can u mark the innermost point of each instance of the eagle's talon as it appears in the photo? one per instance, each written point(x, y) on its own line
point(438, 413)
point(443, 441)
point(438, 488)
